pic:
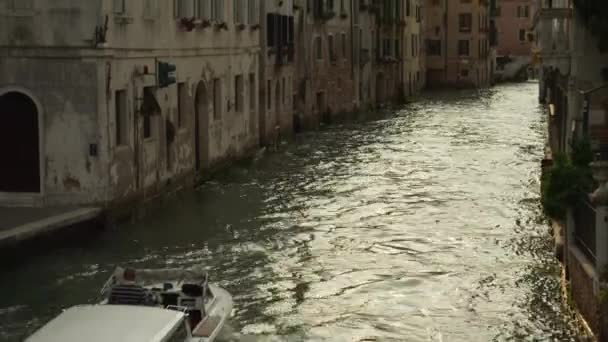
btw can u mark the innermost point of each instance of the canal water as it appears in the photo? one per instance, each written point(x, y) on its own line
point(421, 224)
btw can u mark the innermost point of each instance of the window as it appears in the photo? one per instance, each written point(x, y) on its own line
point(464, 73)
point(183, 8)
point(252, 93)
point(344, 50)
point(318, 48)
point(522, 35)
point(320, 101)
point(150, 111)
point(217, 98)
point(269, 94)
point(239, 12)
point(120, 6)
point(330, 46)
point(254, 15)
point(414, 45)
point(217, 10)
point(203, 9)
point(523, 11)
point(150, 8)
point(433, 47)
point(463, 47)
point(284, 97)
point(465, 21)
point(238, 93)
point(407, 8)
point(120, 99)
point(398, 48)
point(181, 103)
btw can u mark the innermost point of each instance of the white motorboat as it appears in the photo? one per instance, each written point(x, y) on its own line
point(117, 323)
point(206, 306)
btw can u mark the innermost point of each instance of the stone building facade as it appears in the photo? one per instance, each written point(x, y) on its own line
point(413, 47)
point(81, 80)
point(458, 43)
point(330, 38)
point(277, 70)
point(574, 87)
point(514, 25)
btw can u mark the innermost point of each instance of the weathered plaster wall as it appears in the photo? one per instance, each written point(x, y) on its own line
point(57, 23)
point(334, 78)
point(66, 90)
point(581, 284)
point(77, 93)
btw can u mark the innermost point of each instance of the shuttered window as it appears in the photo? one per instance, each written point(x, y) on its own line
point(183, 8)
point(120, 6)
point(254, 12)
point(203, 9)
point(217, 10)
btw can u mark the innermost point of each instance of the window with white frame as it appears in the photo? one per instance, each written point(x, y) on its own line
point(150, 8)
point(120, 6)
point(202, 9)
point(183, 8)
point(217, 10)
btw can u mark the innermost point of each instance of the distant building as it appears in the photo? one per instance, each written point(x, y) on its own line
point(458, 51)
point(413, 47)
point(277, 70)
point(514, 23)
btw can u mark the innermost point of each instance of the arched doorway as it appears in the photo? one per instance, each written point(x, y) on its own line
point(201, 126)
point(19, 144)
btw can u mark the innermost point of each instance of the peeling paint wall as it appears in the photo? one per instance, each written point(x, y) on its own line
point(201, 56)
point(50, 51)
point(66, 91)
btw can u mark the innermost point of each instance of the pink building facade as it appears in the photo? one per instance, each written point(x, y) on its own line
point(514, 21)
point(458, 43)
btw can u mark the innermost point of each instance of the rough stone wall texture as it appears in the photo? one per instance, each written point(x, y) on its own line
point(66, 89)
point(582, 292)
point(75, 81)
point(333, 74)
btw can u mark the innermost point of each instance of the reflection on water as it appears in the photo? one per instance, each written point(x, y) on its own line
point(422, 225)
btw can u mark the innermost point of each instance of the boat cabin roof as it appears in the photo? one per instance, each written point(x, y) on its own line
point(104, 323)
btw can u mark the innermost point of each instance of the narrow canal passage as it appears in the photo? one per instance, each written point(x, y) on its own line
point(421, 225)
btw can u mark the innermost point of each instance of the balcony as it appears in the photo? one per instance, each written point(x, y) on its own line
point(554, 9)
point(554, 42)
